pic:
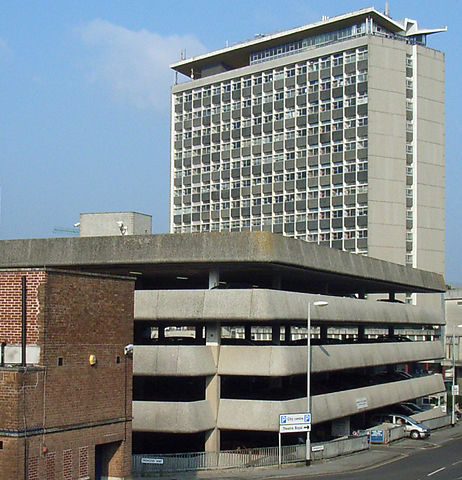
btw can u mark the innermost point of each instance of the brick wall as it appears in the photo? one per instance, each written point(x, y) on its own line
point(70, 316)
point(10, 305)
point(95, 319)
point(66, 454)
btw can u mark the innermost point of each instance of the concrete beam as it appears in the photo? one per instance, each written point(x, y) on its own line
point(173, 417)
point(208, 249)
point(263, 415)
point(260, 305)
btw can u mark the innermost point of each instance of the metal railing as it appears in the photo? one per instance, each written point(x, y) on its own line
point(152, 464)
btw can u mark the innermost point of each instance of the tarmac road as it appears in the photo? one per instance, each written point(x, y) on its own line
point(430, 462)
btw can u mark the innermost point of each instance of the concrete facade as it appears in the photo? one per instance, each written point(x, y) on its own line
point(453, 344)
point(220, 332)
point(116, 223)
point(331, 133)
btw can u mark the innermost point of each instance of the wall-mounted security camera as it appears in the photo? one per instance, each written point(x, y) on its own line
point(122, 227)
point(128, 349)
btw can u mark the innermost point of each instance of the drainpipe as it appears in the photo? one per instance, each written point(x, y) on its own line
point(2, 354)
point(23, 318)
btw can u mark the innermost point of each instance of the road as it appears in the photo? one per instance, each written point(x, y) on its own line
point(430, 462)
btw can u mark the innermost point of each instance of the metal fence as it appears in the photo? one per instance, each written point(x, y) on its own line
point(149, 465)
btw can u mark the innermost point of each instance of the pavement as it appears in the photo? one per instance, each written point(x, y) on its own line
point(376, 456)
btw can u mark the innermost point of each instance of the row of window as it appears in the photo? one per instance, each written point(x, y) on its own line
point(409, 155)
point(300, 174)
point(313, 41)
point(313, 214)
point(256, 224)
point(313, 128)
point(316, 106)
point(324, 191)
point(313, 86)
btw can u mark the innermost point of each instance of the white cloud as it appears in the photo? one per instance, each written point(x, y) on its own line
point(134, 64)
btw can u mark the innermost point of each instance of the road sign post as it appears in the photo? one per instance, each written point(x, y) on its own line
point(293, 423)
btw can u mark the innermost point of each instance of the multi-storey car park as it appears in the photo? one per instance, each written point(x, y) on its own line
point(331, 133)
point(204, 376)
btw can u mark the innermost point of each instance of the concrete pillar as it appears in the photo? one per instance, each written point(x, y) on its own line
point(212, 386)
point(277, 281)
point(161, 332)
point(214, 278)
point(199, 329)
point(248, 332)
point(287, 334)
point(276, 334)
point(340, 427)
point(212, 395)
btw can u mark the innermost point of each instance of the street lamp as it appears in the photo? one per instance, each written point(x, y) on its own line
point(453, 402)
point(319, 303)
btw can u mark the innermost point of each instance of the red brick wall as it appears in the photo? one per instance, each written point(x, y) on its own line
point(71, 316)
point(10, 305)
point(96, 318)
point(66, 454)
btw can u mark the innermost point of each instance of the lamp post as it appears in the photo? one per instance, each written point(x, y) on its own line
point(319, 303)
point(453, 402)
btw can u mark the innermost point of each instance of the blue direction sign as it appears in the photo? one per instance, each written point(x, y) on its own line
point(295, 419)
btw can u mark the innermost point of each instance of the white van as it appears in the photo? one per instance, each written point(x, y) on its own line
point(411, 427)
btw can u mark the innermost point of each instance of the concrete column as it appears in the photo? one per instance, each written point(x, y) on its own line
point(277, 281)
point(341, 427)
point(248, 332)
point(212, 386)
point(161, 332)
point(323, 332)
point(214, 278)
point(198, 329)
point(286, 328)
point(276, 334)
point(212, 395)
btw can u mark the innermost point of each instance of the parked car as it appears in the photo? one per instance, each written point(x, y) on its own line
point(412, 428)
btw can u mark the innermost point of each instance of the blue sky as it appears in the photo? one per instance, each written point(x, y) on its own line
point(84, 100)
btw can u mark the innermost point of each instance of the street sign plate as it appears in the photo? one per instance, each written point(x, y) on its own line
point(317, 448)
point(295, 418)
point(302, 427)
point(152, 461)
point(455, 389)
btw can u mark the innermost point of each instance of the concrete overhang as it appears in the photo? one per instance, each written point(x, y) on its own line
point(267, 306)
point(259, 255)
point(263, 415)
point(237, 56)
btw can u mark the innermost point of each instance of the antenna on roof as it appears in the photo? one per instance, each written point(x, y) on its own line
point(387, 11)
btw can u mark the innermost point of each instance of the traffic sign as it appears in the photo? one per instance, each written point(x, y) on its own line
point(295, 419)
point(302, 427)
